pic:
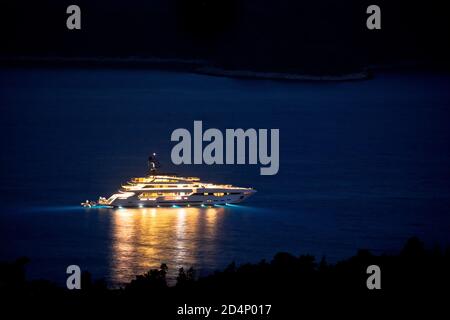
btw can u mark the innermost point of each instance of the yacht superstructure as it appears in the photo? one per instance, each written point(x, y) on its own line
point(169, 190)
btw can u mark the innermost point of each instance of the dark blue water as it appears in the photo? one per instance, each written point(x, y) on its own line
point(362, 165)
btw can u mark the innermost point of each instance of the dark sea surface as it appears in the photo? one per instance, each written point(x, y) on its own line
point(363, 164)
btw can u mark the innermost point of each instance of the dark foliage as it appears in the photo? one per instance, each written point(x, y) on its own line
point(408, 280)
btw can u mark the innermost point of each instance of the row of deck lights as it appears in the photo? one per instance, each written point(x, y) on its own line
point(175, 206)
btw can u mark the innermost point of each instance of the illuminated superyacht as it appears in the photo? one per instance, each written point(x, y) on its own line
point(159, 189)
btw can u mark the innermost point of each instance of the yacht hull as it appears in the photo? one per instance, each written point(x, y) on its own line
point(192, 201)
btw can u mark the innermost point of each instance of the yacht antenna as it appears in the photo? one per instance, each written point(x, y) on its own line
point(153, 164)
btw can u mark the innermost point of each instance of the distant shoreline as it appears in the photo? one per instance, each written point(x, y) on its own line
point(172, 64)
point(214, 71)
point(102, 62)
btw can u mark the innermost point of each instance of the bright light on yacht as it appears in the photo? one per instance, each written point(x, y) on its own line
point(159, 189)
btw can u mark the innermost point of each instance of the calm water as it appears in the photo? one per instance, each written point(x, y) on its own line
point(362, 165)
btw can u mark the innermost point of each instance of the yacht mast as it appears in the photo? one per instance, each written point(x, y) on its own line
point(153, 164)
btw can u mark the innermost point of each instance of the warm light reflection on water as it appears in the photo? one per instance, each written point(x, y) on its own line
point(144, 238)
